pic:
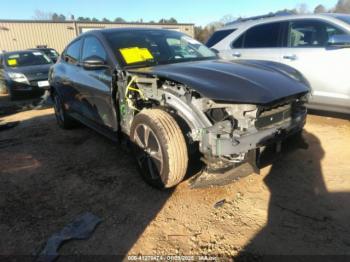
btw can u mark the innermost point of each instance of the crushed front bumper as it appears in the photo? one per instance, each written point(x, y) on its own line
point(250, 145)
point(215, 145)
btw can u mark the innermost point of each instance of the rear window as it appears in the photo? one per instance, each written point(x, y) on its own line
point(27, 59)
point(218, 36)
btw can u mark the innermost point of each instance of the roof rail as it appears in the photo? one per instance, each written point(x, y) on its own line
point(240, 20)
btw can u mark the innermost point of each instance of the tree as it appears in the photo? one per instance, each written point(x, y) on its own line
point(320, 9)
point(41, 15)
point(343, 6)
point(84, 19)
point(172, 20)
point(119, 20)
point(302, 9)
point(94, 19)
point(55, 17)
point(61, 17)
point(105, 20)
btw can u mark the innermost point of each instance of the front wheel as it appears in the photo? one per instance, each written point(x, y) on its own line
point(160, 148)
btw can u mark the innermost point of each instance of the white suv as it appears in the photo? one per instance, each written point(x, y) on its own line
point(316, 45)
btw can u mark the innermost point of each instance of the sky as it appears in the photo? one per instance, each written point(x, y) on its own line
point(199, 12)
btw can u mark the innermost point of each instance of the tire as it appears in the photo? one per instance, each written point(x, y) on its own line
point(63, 119)
point(163, 159)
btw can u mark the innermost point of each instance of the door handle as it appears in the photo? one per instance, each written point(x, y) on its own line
point(237, 54)
point(290, 57)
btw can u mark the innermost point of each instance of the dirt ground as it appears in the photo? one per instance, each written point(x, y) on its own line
point(299, 205)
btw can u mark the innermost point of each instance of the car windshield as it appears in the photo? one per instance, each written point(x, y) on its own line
point(150, 47)
point(29, 58)
point(50, 53)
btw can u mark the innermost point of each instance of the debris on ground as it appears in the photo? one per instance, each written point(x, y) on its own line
point(220, 203)
point(81, 228)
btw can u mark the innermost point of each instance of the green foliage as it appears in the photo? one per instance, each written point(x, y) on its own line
point(172, 20)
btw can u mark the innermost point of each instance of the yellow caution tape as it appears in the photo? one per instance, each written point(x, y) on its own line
point(135, 55)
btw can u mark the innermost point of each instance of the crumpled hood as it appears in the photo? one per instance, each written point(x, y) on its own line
point(251, 82)
point(33, 72)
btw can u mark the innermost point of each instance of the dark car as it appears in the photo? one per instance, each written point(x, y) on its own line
point(50, 52)
point(24, 73)
point(169, 95)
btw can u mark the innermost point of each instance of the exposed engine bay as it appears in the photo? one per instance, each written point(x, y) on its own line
point(226, 134)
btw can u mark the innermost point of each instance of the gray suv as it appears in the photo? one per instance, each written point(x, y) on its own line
point(316, 45)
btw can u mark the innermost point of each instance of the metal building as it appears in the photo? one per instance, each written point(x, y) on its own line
point(24, 34)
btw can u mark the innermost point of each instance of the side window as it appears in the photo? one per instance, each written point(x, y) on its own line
point(263, 36)
point(72, 53)
point(311, 33)
point(93, 48)
point(239, 42)
point(218, 36)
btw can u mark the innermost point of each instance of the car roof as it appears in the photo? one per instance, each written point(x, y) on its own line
point(278, 18)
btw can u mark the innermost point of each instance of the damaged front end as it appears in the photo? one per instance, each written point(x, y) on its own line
point(228, 135)
point(231, 146)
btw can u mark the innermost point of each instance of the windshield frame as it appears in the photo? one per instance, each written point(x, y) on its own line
point(150, 63)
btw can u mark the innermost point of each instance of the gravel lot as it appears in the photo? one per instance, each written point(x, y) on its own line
point(48, 176)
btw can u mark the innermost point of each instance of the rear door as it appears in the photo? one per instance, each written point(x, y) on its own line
point(326, 68)
point(260, 42)
point(97, 84)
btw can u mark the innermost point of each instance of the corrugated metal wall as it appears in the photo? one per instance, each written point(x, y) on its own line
point(18, 35)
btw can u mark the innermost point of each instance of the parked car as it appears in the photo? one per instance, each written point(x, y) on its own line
point(316, 45)
point(169, 94)
point(24, 73)
point(50, 52)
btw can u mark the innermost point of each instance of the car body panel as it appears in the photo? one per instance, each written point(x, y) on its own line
point(240, 81)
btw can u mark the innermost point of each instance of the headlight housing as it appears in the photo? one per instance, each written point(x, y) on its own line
point(18, 77)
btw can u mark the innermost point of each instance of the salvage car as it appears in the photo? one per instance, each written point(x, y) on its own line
point(168, 94)
point(24, 73)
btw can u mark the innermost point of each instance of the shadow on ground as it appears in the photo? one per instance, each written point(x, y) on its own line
point(49, 176)
point(302, 214)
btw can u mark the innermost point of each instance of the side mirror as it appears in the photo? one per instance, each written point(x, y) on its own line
point(341, 41)
point(94, 63)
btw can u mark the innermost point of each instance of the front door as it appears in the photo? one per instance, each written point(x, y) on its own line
point(97, 84)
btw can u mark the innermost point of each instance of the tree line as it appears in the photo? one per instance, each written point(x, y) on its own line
point(202, 33)
point(40, 15)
